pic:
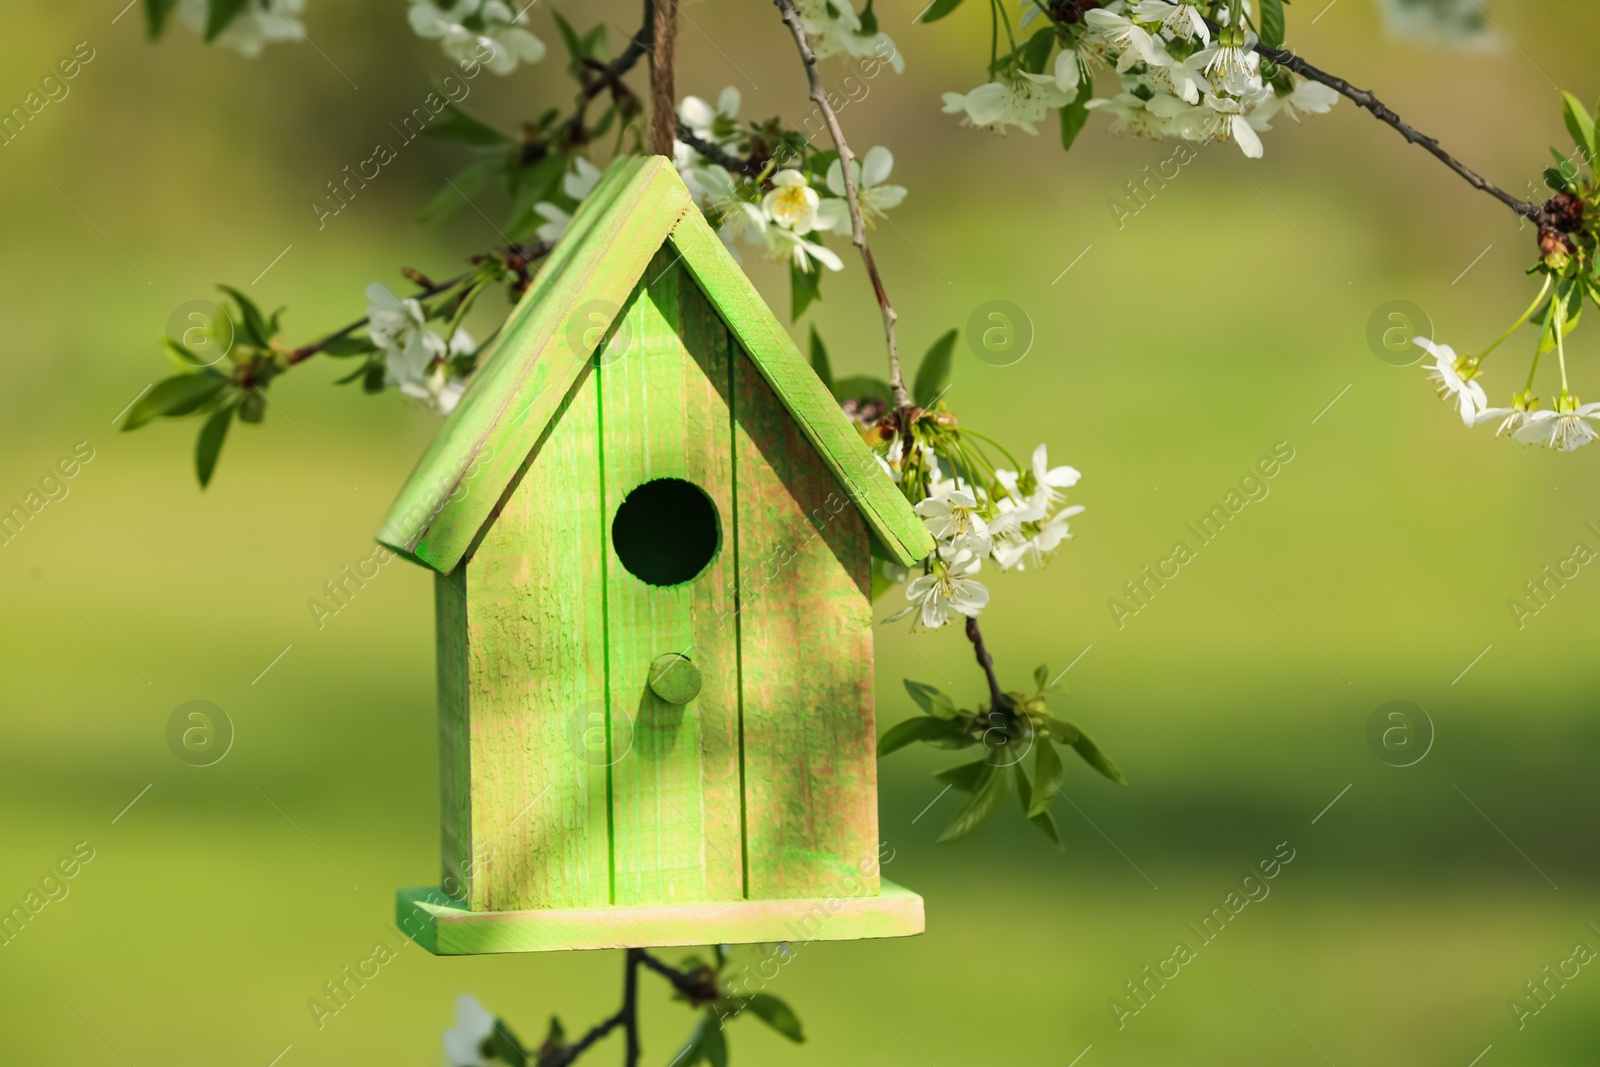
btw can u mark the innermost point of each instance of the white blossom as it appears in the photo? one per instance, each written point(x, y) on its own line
point(1568, 427)
point(577, 184)
point(791, 203)
point(416, 360)
point(464, 1046)
point(1307, 98)
point(834, 28)
point(1234, 68)
point(466, 29)
point(874, 196)
point(1127, 40)
point(1020, 102)
point(1131, 114)
point(1181, 21)
point(704, 120)
point(1511, 419)
point(785, 245)
point(1453, 379)
point(950, 512)
point(948, 588)
point(260, 23)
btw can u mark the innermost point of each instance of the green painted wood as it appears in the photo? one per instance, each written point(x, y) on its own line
point(455, 767)
point(639, 202)
point(675, 678)
point(446, 929)
point(805, 633)
point(541, 350)
point(800, 390)
point(537, 686)
point(664, 414)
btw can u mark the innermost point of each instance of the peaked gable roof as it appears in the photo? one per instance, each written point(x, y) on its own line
point(639, 204)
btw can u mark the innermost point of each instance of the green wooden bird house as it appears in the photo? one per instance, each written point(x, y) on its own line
point(652, 532)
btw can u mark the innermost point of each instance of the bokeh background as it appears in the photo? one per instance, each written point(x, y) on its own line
point(1221, 320)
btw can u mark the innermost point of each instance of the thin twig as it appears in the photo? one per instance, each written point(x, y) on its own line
point(998, 700)
point(1383, 113)
point(630, 1005)
point(610, 75)
point(858, 230)
point(720, 156)
point(688, 984)
point(527, 253)
point(585, 1043)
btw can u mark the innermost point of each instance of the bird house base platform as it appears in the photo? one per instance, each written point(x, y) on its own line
point(445, 928)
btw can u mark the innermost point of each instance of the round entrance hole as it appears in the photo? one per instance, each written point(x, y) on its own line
point(666, 531)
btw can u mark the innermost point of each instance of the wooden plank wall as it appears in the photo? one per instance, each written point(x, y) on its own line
point(536, 661)
point(675, 795)
point(805, 625)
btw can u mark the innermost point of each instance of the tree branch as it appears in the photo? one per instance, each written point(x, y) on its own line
point(721, 157)
point(1383, 113)
point(858, 231)
point(997, 699)
point(630, 1005)
point(525, 253)
point(663, 95)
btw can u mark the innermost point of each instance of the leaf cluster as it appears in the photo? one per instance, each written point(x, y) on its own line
point(1017, 731)
point(708, 1043)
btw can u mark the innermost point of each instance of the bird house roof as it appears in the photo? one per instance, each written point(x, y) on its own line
point(639, 205)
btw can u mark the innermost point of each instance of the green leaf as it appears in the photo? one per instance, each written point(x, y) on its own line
point(1045, 821)
point(863, 387)
point(222, 13)
point(1037, 51)
point(1573, 310)
point(1047, 771)
point(939, 9)
point(819, 359)
point(186, 358)
point(778, 1015)
point(529, 185)
point(348, 345)
point(1272, 28)
point(1063, 733)
point(253, 406)
point(1076, 114)
point(1555, 179)
point(156, 13)
point(931, 700)
point(256, 330)
point(965, 777)
point(1098, 760)
point(456, 124)
point(706, 1045)
point(804, 286)
point(174, 398)
point(921, 728)
point(869, 21)
point(557, 1034)
point(208, 446)
point(933, 377)
point(458, 190)
point(594, 42)
point(1041, 675)
point(1579, 123)
point(569, 37)
point(506, 1046)
point(979, 806)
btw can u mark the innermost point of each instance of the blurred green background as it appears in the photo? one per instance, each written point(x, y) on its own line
point(1177, 351)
